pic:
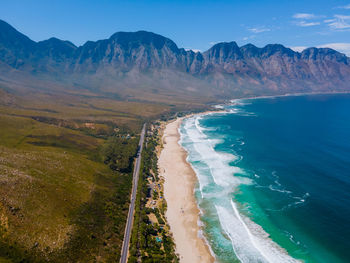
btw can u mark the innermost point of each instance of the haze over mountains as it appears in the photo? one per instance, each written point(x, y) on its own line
point(144, 65)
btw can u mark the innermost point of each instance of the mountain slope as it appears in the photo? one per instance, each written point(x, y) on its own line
point(133, 65)
point(275, 68)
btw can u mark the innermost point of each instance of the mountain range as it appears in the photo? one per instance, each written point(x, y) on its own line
point(144, 65)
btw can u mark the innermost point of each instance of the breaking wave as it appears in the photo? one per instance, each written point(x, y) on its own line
point(218, 181)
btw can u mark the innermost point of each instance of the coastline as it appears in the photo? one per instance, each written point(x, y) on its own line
point(182, 211)
point(281, 249)
point(286, 95)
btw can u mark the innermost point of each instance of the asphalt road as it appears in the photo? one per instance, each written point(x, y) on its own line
point(129, 222)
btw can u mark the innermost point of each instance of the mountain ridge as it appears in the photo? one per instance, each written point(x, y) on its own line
point(225, 69)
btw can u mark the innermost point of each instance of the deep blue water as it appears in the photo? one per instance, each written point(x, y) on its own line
point(284, 164)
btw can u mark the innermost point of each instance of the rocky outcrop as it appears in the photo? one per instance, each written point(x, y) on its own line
point(226, 67)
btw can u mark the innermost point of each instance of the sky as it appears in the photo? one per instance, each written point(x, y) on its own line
point(191, 24)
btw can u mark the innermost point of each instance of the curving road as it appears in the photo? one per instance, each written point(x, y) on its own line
point(129, 222)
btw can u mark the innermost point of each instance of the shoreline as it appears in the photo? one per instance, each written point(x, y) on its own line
point(189, 238)
point(194, 247)
point(286, 95)
point(182, 210)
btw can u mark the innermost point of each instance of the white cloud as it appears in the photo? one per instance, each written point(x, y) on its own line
point(248, 37)
point(193, 49)
point(343, 7)
point(304, 16)
point(342, 17)
point(257, 30)
point(214, 42)
point(339, 22)
point(341, 47)
point(298, 48)
point(307, 24)
point(303, 19)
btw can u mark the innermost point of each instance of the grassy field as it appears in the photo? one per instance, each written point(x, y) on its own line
point(59, 200)
point(65, 172)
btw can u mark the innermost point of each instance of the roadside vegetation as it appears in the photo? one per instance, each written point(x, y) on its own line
point(151, 240)
point(64, 194)
point(66, 162)
point(66, 176)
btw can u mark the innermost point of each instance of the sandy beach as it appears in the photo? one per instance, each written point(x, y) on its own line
point(182, 213)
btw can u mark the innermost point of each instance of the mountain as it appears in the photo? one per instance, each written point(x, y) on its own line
point(138, 64)
point(275, 68)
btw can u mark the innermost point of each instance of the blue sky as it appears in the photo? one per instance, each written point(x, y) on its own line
point(191, 24)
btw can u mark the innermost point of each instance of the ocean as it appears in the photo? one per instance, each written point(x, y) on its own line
point(274, 178)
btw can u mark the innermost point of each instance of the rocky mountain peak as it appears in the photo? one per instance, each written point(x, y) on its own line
point(324, 54)
point(56, 48)
point(223, 52)
point(277, 49)
point(132, 40)
point(225, 67)
point(11, 38)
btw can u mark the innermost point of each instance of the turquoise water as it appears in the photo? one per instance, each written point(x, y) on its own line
point(274, 178)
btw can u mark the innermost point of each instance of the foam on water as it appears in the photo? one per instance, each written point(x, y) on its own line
point(218, 163)
point(218, 181)
point(251, 242)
